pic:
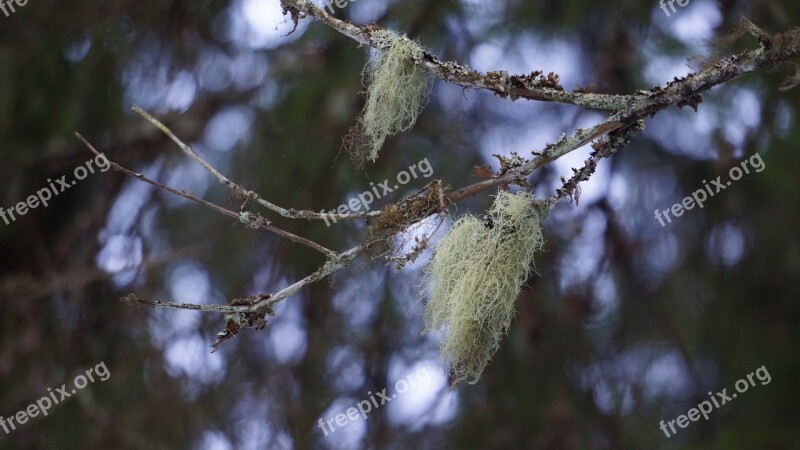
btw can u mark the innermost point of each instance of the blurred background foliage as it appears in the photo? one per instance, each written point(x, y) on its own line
point(628, 323)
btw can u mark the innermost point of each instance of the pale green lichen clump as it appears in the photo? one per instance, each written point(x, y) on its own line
point(397, 90)
point(475, 277)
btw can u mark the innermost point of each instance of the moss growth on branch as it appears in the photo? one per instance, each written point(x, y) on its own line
point(397, 90)
point(475, 277)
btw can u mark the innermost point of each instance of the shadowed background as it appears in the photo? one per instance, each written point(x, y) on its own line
point(628, 322)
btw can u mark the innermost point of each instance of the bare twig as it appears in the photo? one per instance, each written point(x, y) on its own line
point(186, 149)
point(289, 213)
point(252, 220)
point(336, 263)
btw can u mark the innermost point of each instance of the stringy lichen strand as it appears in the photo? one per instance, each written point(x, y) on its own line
point(475, 277)
point(397, 90)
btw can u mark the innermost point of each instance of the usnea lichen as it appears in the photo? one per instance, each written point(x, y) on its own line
point(397, 90)
point(475, 277)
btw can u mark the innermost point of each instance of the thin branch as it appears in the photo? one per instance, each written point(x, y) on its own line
point(252, 220)
point(186, 149)
point(132, 299)
point(552, 152)
point(604, 148)
point(336, 263)
point(249, 194)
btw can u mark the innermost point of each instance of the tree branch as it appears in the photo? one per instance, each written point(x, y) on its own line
point(247, 193)
point(680, 92)
point(500, 82)
point(606, 137)
point(251, 220)
point(265, 301)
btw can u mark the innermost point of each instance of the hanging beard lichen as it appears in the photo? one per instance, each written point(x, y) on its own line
point(475, 277)
point(397, 90)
